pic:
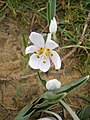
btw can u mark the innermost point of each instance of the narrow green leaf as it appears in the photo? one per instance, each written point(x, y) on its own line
point(74, 116)
point(35, 10)
point(23, 112)
point(27, 111)
point(72, 86)
point(51, 10)
point(48, 13)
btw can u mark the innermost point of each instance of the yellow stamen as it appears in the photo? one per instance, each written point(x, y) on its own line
point(35, 52)
point(44, 62)
point(45, 51)
point(37, 56)
point(51, 54)
point(41, 51)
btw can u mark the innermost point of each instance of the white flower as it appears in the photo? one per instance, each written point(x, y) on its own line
point(53, 84)
point(53, 26)
point(42, 52)
point(51, 118)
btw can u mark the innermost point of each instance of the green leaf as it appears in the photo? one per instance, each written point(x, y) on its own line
point(48, 95)
point(42, 103)
point(28, 110)
point(48, 99)
point(51, 10)
point(52, 97)
point(72, 86)
point(71, 112)
point(23, 112)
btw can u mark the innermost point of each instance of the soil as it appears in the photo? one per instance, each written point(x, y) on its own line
point(13, 94)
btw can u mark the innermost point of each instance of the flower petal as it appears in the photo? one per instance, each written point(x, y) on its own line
point(55, 114)
point(56, 59)
point(53, 26)
point(44, 65)
point(31, 49)
point(34, 61)
point(51, 118)
point(53, 84)
point(51, 44)
point(49, 36)
point(37, 39)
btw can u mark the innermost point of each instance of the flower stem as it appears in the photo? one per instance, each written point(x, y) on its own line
point(42, 80)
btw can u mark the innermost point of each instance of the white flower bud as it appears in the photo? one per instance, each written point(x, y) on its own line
point(53, 84)
point(53, 26)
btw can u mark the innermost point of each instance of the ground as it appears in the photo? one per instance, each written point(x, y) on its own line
point(17, 89)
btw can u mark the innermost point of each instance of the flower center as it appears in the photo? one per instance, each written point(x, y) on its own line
point(45, 51)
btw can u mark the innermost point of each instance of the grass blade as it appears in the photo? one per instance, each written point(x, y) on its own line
point(75, 46)
point(67, 35)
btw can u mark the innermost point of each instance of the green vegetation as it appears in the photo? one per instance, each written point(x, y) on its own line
point(73, 35)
